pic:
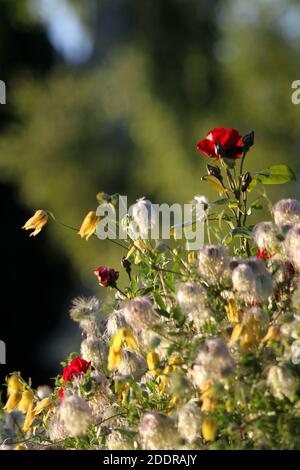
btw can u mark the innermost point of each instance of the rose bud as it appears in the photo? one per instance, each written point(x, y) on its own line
point(248, 141)
point(107, 277)
point(127, 266)
point(246, 180)
point(214, 171)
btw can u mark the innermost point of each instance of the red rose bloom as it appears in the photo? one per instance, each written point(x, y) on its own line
point(61, 393)
point(107, 277)
point(263, 254)
point(230, 140)
point(76, 367)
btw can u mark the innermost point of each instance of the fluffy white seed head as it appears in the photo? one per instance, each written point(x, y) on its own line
point(115, 322)
point(86, 311)
point(75, 414)
point(133, 364)
point(190, 296)
point(117, 441)
point(213, 263)
point(292, 246)
point(266, 236)
point(287, 212)
point(94, 350)
point(213, 362)
point(243, 279)
point(282, 383)
point(158, 432)
point(189, 421)
point(139, 313)
point(145, 218)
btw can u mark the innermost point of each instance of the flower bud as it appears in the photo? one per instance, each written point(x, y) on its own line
point(209, 429)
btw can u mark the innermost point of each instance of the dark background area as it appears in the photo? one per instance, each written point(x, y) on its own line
point(113, 96)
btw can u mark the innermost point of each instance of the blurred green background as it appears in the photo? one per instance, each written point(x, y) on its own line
point(113, 95)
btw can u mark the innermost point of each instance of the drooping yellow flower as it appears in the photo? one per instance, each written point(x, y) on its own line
point(175, 360)
point(139, 247)
point(192, 257)
point(26, 400)
point(209, 401)
point(233, 314)
point(123, 338)
point(36, 222)
point(114, 360)
point(88, 226)
point(273, 334)
point(209, 429)
point(14, 384)
point(236, 333)
point(20, 447)
point(152, 362)
point(13, 401)
point(44, 404)
point(29, 418)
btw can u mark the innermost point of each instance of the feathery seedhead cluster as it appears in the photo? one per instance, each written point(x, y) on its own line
point(158, 432)
point(267, 236)
point(213, 362)
point(75, 414)
point(86, 311)
point(139, 313)
point(286, 212)
point(282, 382)
point(213, 263)
point(189, 421)
point(95, 351)
point(118, 441)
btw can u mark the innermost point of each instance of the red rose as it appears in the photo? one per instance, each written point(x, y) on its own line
point(229, 139)
point(263, 254)
point(61, 393)
point(107, 277)
point(76, 367)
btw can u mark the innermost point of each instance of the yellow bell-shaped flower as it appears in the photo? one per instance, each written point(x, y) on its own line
point(89, 224)
point(26, 400)
point(209, 429)
point(36, 222)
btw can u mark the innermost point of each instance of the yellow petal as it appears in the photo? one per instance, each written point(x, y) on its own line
point(26, 400)
point(14, 384)
point(232, 311)
point(88, 226)
point(209, 429)
point(36, 222)
point(29, 419)
point(13, 401)
point(152, 360)
point(237, 330)
point(43, 404)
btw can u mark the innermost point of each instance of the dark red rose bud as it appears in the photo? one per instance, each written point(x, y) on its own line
point(107, 277)
point(127, 266)
point(227, 143)
point(248, 141)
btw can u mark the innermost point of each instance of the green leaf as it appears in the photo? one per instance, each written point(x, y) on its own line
point(214, 183)
point(275, 174)
point(219, 202)
point(237, 233)
point(178, 315)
